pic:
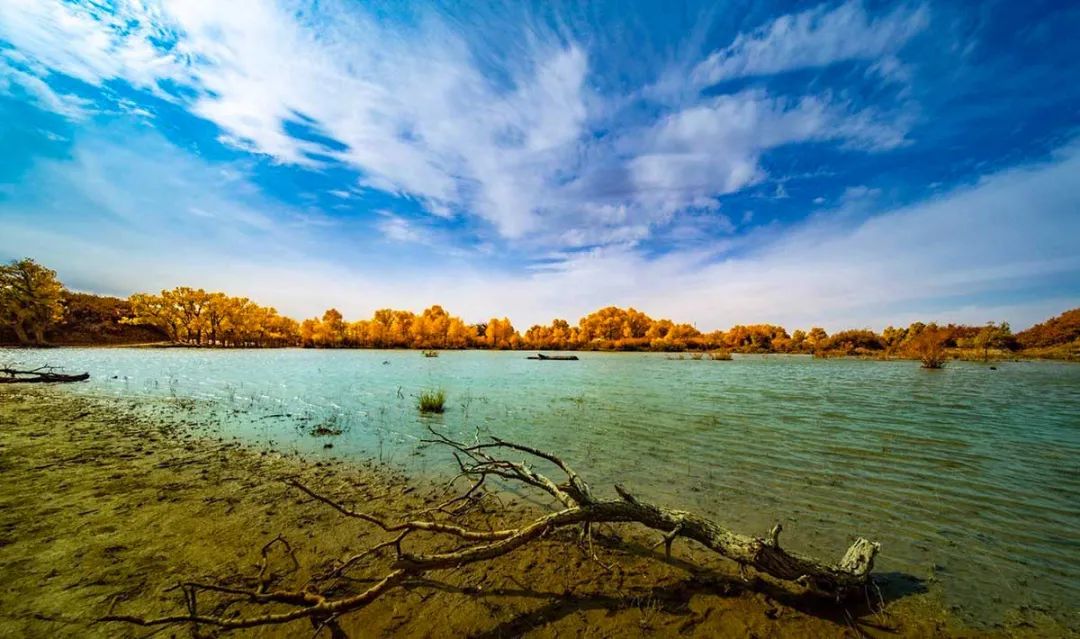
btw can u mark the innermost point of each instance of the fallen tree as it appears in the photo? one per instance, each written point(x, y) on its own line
point(42, 375)
point(388, 564)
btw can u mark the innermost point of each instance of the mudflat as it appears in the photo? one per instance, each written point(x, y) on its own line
point(104, 509)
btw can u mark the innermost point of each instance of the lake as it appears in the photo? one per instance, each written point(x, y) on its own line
point(969, 477)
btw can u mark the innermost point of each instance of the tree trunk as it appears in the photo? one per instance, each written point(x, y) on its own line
point(39, 334)
point(20, 331)
point(38, 376)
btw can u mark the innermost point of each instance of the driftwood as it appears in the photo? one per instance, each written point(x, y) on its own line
point(555, 358)
point(42, 375)
point(577, 506)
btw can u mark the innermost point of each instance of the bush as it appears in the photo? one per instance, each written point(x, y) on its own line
point(432, 401)
point(929, 347)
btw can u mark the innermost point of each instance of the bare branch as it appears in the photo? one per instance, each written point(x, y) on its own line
point(478, 461)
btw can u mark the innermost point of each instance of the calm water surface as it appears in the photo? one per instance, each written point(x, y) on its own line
point(969, 477)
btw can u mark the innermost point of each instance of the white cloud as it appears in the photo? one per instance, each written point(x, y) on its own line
point(12, 79)
point(89, 42)
point(510, 139)
point(131, 193)
point(398, 229)
point(714, 148)
point(423, 117)
point(137, 229)
point(817, 37)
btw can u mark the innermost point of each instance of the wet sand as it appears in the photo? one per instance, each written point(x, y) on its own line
point(99, 506)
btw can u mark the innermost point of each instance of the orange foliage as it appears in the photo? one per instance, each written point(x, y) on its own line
point(1063, 329)
point(195, 317)
point(387, 328)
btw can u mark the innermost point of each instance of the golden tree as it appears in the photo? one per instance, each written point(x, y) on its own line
point(30, 299)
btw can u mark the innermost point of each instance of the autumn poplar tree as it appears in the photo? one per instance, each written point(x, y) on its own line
point(30, 299)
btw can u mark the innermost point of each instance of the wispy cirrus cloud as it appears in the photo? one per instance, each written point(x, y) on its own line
point(817, 37)
point(397, 228)
point(976, 259)
point(413, 108)
point(713, 148)
point(89, 42)
point(454, 158)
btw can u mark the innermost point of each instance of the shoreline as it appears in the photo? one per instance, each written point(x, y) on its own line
point(952, 355)
point(99, 505)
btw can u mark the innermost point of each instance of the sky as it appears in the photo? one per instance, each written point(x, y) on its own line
point(838, 164)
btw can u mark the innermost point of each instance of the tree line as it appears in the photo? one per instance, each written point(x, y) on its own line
point(195, 317)
point(34, 303)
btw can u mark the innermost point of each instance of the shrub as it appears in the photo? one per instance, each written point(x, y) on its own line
point(929, 347)
point(432, 401)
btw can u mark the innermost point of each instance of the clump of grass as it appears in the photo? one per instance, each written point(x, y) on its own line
point(432, 401)
point(431, 353)
point(720, 356)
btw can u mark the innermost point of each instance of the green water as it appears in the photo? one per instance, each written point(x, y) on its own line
point(969, 477)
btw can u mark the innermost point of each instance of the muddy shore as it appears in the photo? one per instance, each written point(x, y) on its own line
point(101, 507)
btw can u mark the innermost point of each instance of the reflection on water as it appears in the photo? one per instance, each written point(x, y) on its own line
point(968, 476)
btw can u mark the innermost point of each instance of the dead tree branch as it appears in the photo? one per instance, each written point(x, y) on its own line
point(577, 507)
point(40, 375)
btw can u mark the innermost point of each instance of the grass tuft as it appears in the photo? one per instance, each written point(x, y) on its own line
point(432, 401)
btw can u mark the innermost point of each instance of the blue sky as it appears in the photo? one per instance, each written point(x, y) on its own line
point(841, 164)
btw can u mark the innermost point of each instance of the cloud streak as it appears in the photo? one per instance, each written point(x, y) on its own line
point(818, 37)
point(837, 269)
point(404, 158)
point(417, 112)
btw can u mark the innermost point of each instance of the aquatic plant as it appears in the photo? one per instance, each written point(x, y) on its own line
point(720, 356)
point(431, 353)
point(432, 401)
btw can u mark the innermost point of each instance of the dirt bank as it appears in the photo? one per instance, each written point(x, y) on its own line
point(98, 505)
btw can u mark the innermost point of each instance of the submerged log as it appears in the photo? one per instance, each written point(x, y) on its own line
point(43, 375)
point(557, 358)
point(319, 600)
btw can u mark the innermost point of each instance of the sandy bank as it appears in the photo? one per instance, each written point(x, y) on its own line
point(97, 505)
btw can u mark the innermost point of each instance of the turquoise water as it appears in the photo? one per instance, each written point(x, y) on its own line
point(969, 477)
